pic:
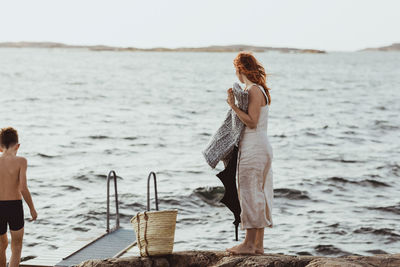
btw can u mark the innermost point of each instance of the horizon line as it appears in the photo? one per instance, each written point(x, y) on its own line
point(122, 47)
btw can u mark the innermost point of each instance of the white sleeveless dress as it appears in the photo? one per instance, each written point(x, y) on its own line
point(254, 174)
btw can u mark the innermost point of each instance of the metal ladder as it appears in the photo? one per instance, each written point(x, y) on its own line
point(112, 244)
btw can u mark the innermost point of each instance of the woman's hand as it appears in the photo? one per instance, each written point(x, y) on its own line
point(249, 118)
point(231, 98)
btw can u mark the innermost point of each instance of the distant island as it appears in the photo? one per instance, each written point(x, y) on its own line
point(392, 47)
point(213, 48)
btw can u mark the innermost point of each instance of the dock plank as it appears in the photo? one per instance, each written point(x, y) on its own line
point(106, 247)
point(114, 243)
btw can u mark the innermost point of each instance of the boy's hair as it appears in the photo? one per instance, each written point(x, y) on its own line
point(8, 137)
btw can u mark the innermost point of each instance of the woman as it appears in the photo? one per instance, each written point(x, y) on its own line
point(254, 172)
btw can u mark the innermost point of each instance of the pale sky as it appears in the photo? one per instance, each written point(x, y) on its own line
point(333, 25)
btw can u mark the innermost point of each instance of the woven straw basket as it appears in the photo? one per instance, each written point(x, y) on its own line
point(155, 231)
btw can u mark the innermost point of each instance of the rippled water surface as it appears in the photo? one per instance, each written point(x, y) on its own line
point(334, 127)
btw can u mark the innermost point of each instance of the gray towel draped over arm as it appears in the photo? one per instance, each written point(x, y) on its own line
point(228, 135)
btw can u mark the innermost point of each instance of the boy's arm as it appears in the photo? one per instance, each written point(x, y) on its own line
point(24, 188)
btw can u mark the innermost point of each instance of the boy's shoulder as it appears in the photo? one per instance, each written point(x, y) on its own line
point(21, 160)
point(14, 162)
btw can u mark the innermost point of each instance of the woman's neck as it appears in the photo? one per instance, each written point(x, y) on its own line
point(248, 84)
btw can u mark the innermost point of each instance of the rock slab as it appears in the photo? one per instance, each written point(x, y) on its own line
point(223, 259)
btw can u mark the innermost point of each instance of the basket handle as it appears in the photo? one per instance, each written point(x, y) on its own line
point(138, 231)
point(148, 190)
point(146, 218)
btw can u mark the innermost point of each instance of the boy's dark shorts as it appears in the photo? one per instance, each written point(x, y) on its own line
point(11, 213)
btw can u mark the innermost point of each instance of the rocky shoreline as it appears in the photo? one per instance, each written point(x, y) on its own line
point(219, 259)
point(390, 48)
point(214, 48)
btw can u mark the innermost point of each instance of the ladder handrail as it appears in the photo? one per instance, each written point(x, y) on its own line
point(148, 190)
point(114, 176)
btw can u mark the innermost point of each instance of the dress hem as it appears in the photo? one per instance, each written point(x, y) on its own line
point(270, 225)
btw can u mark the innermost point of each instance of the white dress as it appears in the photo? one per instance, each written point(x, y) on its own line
point(254, 174)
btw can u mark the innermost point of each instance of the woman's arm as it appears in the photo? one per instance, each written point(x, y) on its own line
point(250, 119)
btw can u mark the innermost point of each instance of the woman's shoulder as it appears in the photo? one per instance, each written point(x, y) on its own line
point(255, 85)
point(256, 91)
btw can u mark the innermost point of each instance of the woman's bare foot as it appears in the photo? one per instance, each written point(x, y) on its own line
point(232, 248)
point(259, 251)
point(242, 249)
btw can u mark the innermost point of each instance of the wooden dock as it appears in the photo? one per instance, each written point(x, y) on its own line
point(51, 258)
point(112, 245)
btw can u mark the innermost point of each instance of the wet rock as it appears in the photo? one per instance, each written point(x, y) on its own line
point(290, 193)
point(388, 260)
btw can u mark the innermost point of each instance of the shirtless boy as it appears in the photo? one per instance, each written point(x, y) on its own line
point(13, 187)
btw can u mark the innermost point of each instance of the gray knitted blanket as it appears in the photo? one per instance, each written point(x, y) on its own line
point(228, 134)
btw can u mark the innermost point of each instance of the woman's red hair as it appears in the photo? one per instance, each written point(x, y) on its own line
point(249, 66)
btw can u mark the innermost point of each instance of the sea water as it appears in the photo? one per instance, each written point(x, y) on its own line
point(334, 127)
